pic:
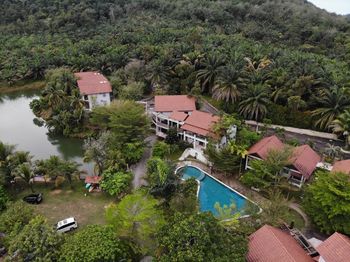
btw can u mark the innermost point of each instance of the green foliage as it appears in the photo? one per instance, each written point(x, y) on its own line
point(96, 243)
point(246, 137)
point(54, 167)
point(341, 126)
point(136, 217)
point(161, 177)
point(327, 202)
point(185, 198)
point(3, 198)
point(14, 218)
point(225, 159)
point(199, 237)
point(59, 104)
point(132, 91)
point(115, 183)
point(161, 149)
point(38, 241)
point(172, 137)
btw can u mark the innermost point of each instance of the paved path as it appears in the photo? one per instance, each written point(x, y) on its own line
point(296, 207)
point(139, 169)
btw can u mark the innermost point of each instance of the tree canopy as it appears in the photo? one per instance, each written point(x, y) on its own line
point(327, 201)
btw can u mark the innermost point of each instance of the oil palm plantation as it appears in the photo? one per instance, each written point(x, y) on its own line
point(341, 127)
point(333, 101)
point(229, 85)
point(255, 102)
point(212, 65)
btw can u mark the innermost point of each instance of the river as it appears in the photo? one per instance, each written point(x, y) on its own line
point(17, 128)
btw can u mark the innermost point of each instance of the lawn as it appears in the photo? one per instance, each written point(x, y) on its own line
point(298, 220)
point(66, 202)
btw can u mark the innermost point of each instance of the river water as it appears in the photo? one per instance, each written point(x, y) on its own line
point(17, 128)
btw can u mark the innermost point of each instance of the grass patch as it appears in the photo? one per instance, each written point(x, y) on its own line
point(21, 86)
point(65, 202)
point(299, 222)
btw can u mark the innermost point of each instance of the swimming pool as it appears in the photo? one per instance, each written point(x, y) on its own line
point(212, 191)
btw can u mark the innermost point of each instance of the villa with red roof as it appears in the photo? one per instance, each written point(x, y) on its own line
point(271, 244)
point(179, 112)
point(94, 89)
point(303, 161)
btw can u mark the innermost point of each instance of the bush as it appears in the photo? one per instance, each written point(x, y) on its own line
point(160, 149)
point(114, 183)
point(3, 198)
point(132, 91)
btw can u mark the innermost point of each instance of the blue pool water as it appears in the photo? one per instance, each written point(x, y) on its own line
point(211, 192)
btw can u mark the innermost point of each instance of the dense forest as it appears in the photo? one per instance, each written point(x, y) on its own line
point(287, 56)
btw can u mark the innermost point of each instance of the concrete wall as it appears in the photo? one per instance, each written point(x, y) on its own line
point(99, 100)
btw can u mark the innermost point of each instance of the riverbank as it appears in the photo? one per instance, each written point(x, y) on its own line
point(21, 86)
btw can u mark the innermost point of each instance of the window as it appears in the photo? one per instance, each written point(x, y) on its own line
point(85, 97)
point(104, 95)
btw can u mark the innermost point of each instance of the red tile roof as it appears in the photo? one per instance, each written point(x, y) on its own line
point(305, 160)
point(262, 148)
point(93, 179)
point(178, 116)
point(342, 166)
point(270, 244)
point(336, 248)
point(90, 83)
point(200, 123)
point(181, 103)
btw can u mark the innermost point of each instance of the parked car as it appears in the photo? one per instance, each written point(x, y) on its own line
point(34, 198)
point(66, 225)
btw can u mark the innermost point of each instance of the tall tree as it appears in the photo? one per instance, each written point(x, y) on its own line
point(333, 102)
point(327, 202)
point(38, 241)
point(341, 127)
point(199, 237)
point(136, 217)
point(255, 102)
point(212, 65)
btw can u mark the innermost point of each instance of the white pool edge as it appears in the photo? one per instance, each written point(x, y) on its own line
point(230, 188)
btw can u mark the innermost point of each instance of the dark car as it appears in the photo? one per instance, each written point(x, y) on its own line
point(34, 198)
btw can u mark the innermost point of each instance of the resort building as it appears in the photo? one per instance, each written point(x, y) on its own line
point(303, 160)
point(342, 166)
point(271, 244)
point(336, 248)
point(179, 112)
point(94, 89)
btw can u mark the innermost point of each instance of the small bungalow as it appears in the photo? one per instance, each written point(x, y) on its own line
point(342, 166)
point(179, 111)
point(93, 183)
point(303, 161)
point(94, 89)
point(336, 248)
point(270, 244)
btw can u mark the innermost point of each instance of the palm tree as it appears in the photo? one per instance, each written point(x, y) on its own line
point(229, 85)
point(25, 171)
point(341, 126)
point(212, 66)
point(333, 101)
point(6, 152)
point(254, 103)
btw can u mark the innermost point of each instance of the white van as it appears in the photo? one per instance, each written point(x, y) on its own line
point(66, 225)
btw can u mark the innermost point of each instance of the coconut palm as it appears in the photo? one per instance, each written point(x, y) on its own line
point(25, 171)
point(254, 103)
point(333, 102)
point(229, 85)
point(5, 153)
point(212, 66)
point(341, 126)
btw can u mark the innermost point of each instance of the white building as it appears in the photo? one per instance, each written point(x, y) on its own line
point(179, 112)
point(94, 88)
